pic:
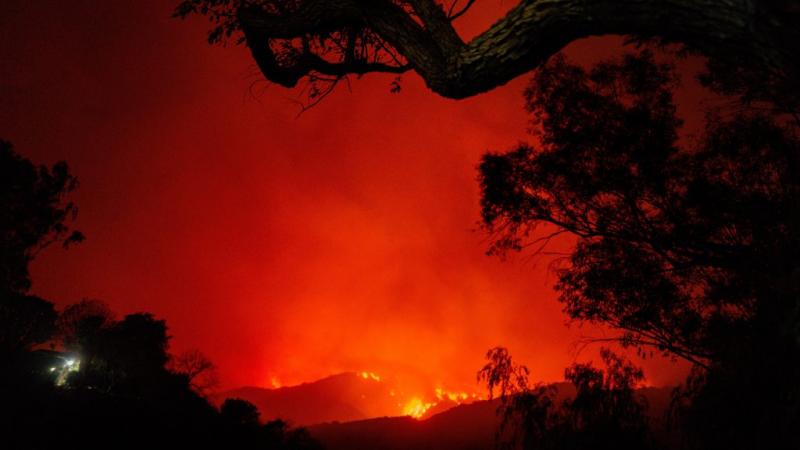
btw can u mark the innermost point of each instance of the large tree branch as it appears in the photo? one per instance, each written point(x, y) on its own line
point(438, 24)
point(754, 31)
point(536, 29)
point(313, 16)
point(306, 63)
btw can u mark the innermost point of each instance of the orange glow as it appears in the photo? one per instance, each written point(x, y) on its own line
point(273, 381)
point(286, 249)
point(418, 405)
point(416, 408)
point(370, 376)
point(457, 397)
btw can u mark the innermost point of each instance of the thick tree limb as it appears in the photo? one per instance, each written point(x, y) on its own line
point(757, 32)
point(306, 63)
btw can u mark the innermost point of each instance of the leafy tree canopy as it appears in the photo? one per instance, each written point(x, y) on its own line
point(681, 243)
point(685, 244)
point(35, 214)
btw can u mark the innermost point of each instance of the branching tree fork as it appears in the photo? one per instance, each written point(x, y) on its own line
point(326, 40)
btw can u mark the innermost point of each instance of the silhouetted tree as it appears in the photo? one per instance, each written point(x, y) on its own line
point(524, 410)
point(197, 368)
point(326, 40)
point(245, 430)
point(134, 350)
point(277, 434)
point(606, 411)
point(296, 439)
point(686, 245)
point(80, 322)
point(126, 356)
point(140, 342)
point(502, 373)
point(240, 412)
point(666, 234)
point(25, 321)
point(35, 214)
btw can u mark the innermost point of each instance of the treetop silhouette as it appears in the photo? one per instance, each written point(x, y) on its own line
point(668, 231)
point(605, 410)
point(684, 245)
point(35, 214)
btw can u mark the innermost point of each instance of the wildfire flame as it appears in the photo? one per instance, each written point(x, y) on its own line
point(411, 404)
point(274, 382)
point(457, 397)
point(416, 408)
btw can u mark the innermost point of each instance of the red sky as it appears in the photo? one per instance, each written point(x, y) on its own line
point(282, 247)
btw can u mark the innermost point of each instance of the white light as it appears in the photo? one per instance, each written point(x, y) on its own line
point(52, 369)
point(70, 362)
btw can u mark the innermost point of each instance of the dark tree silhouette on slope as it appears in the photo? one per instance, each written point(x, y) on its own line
point(197, 368)
point(35, 214)
point(604, 412)
point(686, 246)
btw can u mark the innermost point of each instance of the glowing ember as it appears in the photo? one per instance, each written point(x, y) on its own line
point(370, 375)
